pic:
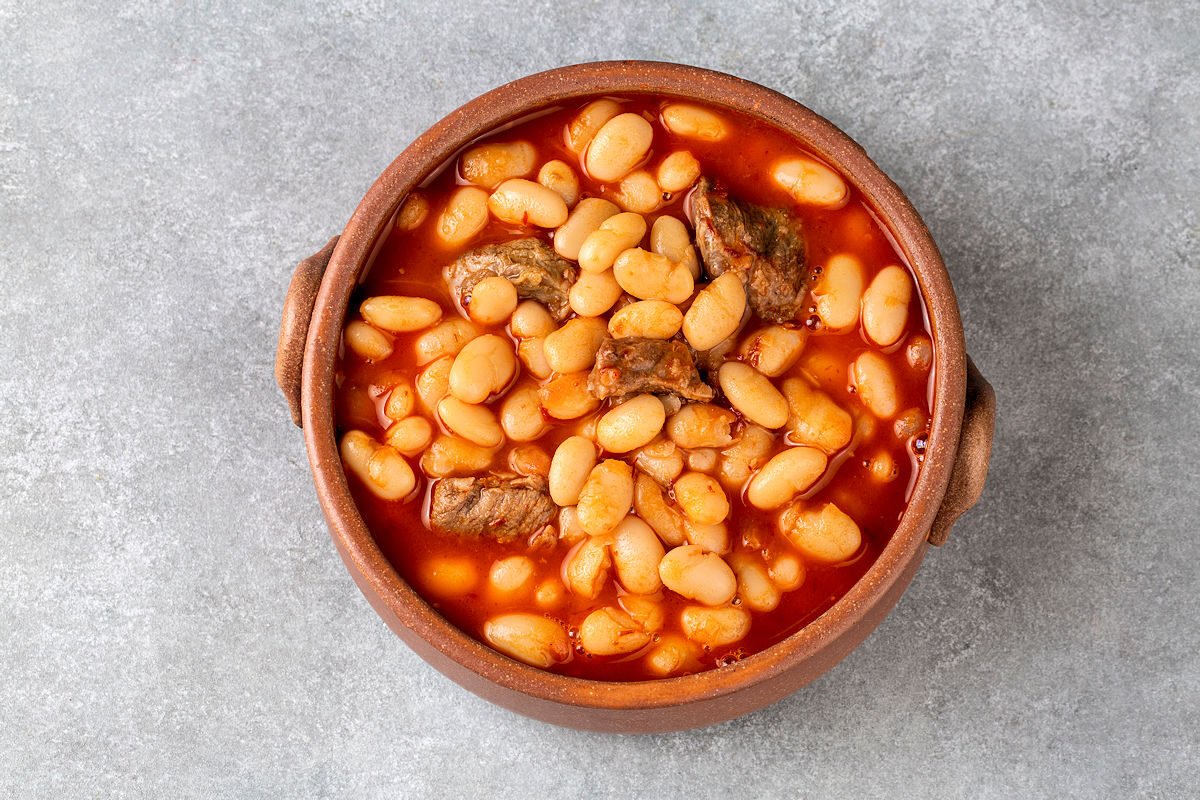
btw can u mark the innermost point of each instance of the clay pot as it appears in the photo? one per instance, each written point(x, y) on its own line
point(950, 481)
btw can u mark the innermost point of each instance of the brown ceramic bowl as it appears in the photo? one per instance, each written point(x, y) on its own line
point(949, 483)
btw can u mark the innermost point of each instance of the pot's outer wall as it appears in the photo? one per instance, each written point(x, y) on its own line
point(675, 703)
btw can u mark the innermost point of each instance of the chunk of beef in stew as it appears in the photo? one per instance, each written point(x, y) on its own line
point(531, 265)
point(765, 245)
point(499, 507)
point(635, 365)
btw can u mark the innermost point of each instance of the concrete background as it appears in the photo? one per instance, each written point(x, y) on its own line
point(174, 620)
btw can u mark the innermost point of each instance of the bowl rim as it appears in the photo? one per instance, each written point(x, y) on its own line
point(401, 602)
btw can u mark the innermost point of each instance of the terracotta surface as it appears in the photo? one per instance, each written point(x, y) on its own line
point(950, 480)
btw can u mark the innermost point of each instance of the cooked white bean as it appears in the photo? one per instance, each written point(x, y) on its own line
point(584, 220)
point(826, 534)
point(661, 460)
point(703, 460)
point(558, 177)
point(838, 292)
point(697, 575)
point(740, 460)
point(594, 293)
point(452, 455)
point(882, 467)
point(532, 355)
point(589, 120)
point(569, 529)
point(523, 202)
point(474, 423)
point(694, 122)
point(445, 339)
point(413, 212)
point(701, 498)
point(464, 216)
point(550, 594)
point(652, 508)
point(716, 313)
point(631, 425)
point(606, 497)
point(570, 467)
point(400, 314)
point(488, 165)
point(433, 382)
point(810, 183)
point(885, 306)
point(367, 342)
point(529, 319)
point(567, 397)
point(752, 394)
point(646, 611)
point(610, 632)
point(381, 469)
point(572, 348)
point(585, 569)
point(815, 419)
point(678, 171)
point(715, 627)
point(783, 477)
point(618, 147)
point(713, 538)
point(787, 572)
point(613, 236)
point(529, 459)
point(650, 276)
point(532, 638)
point(919, 352)
point(639, 192)
point(701, 425)
point(410, 435)
point(909, 423)
point(649, 319)
point(492, 300)
point(512, 574)
point(669, 237)
point(875, 385)
point(773, 350)
point(755, 587)
point(449, 576)
point(521, 414)
point(636, 552)
point(485, 366)
point(672, 655)
point(401, 401)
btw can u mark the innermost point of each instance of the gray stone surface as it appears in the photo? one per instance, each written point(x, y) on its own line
point(173, 618)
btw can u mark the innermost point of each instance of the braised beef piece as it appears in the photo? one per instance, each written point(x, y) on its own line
point(498, 507)
point(530, 264)
point(765, 245)
point(636, 365)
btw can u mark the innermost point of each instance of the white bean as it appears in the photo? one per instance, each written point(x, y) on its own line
point(814, 418)
point(697, 575)
point(631, 425)
point(485, 366)
point(650, 276)
point(474, 423)
point(827, 534)
point(701, 498)
point(773, 350)
point(492, 300)
point(752, 394)
point(464, 216)
point(610, 632)
point(875, 385)
point(451, 455)
point(694, 122)
point(400, 314)
point(646, 611)
point(713, 538)
point(532, 355)
point(787, 572)
point(566, 396)
point(570, 467)
point(589, 120)
point(572, 348)
point(594, 293)
point(613, 236)
point(521, 414)
point(585, 568)
point(701, 425)
point(584, 219)
point(532, 638)
point(606, 497)
point(716, 313)
point(669, 237)
point(810, 183)
point(488, 165)
point(618, 147)
point(529, 319)
point(381, 469)
point(672, 655)
point(433, 382)
point(639, 192)
point(558, 177)
point(838, 292)
point(885, 306)
point(367, 342)
point(444, 339)
point(512, 574)
point(648, 319)
point(523, 202)
point(678, 171)
point(651, 506)
point(755, 587)
point(740, 460)
point(449, 576)
point(636, 553)
point(715, 627)
point(413, 212)
point(783, 477)
point(410, 435)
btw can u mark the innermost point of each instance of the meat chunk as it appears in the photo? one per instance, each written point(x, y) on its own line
point(498, 507)
point(636, 365)
point(530, 264)
point(765, 245)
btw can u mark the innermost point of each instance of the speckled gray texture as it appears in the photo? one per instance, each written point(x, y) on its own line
point(174, 621)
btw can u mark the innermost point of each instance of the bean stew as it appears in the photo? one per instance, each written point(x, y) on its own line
point(634, 389)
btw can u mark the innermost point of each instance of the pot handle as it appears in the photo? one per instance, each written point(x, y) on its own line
point(293, 328)
point(971, 460)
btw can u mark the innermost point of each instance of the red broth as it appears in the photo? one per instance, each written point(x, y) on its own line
point(411, 263)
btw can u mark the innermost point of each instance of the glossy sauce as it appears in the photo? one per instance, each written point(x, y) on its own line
point(411, 263)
